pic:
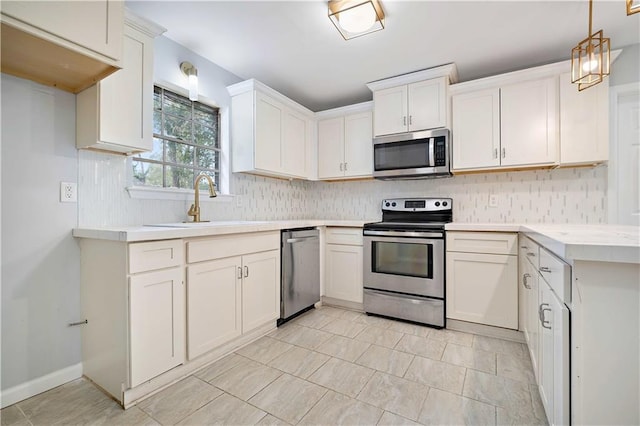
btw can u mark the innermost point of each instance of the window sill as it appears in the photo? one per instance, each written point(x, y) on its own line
point(174, 194)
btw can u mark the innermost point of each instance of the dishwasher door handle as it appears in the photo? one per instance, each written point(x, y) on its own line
point(300, 240)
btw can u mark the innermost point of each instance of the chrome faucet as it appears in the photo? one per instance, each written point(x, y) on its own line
point(195, 208)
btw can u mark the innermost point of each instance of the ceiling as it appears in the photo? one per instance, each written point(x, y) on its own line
point(293, 47)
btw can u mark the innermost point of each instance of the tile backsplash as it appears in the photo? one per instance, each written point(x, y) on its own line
point(574, 195)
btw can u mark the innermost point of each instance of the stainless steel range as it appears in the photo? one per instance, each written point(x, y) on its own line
point(404, 260)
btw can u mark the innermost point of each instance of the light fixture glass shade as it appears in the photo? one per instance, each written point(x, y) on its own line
point(191, 72)
point(354, 18)
point(590, 60)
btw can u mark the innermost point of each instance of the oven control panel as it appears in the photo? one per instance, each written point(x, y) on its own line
point(417, 204)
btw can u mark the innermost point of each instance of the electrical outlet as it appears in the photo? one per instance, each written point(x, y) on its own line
point(493, 200)
point(68, 192)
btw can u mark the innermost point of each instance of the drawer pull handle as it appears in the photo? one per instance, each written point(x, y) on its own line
point(239, 272)
point(531, 254)
point(524, 281)
point(545, 269)
point(541, 311)
point(246, 271)
point(524, 247)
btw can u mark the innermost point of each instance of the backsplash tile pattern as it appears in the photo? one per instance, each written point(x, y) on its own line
point(574, 195)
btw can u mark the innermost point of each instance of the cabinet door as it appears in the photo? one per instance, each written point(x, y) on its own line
point(528, 123)
point(331, 148)
point(268, 133)
point(476, 129)
point(584, 123)
point(390, 111)
point(95, 25)
point(554, 356)
point(260, 289)
point(129, 123)
point(213, 304)
point(482, 288)
point(358, 145)
point(427, 104)
point(156, 323)
point(294, 144)
point(343, 272)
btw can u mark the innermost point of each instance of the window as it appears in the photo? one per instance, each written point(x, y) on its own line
point(186, 143)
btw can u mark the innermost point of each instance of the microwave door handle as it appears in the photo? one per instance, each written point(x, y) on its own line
point(432, 162)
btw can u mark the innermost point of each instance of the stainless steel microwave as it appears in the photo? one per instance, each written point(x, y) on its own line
point(416, 155)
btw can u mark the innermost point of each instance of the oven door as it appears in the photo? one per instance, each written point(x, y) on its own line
point(404, 262)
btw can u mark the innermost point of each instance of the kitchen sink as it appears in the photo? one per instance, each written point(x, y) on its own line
point(208, 224)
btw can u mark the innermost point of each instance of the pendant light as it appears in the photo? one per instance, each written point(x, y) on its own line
point(590, 59)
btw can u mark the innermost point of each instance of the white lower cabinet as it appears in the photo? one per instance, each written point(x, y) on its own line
point(545, 282)
point(260, 289)
point(214, 300)
point(233, 287)
point(482, 278)
point(156, 316)
point(343, 265)
point(149, 318)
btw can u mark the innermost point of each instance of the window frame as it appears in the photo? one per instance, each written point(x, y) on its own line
point(172, 193)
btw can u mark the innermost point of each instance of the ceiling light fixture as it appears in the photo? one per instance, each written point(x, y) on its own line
point(190, 71)
point(354, 18)
point(590, 59)
point(633, 6)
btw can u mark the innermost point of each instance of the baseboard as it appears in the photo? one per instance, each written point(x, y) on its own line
point(485, 330)
point(39, 385)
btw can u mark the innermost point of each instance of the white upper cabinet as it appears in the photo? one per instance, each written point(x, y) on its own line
point(104, 121)
point(270, 134)
point(529, 123)
point(345, 147)
point(427, 104)
point(416, 106)
point(584, 123)
point(390, 110)
point(412, 102)
point(67, 44)
point(513, 125)
point(476, 135)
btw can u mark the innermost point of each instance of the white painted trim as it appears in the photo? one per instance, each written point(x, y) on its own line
point(345, 110)
point(142, 24)
point(448, 70)
point(519, 76)
point(39, 385)
point(253, 84)
point(615, 93)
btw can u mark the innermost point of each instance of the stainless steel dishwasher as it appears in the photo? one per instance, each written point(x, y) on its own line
point(300, 269)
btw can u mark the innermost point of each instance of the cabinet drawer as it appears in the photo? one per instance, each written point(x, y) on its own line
point(155, 255)
point(530, 250)
point(219, 247)
point(483, 242)
point(346, 236)
point(557, 274)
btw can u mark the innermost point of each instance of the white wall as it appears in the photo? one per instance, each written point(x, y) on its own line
point(40, 258)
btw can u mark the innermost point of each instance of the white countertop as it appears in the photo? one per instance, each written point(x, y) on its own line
point(605, 243)
point(203, 229)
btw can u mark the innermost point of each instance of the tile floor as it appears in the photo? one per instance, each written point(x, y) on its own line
point(329, 366)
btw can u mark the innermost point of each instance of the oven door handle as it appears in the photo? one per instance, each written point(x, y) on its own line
point(404, 234)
